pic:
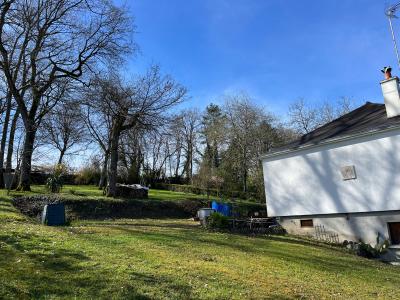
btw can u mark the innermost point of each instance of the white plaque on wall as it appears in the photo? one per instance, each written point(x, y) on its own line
point(348, 172)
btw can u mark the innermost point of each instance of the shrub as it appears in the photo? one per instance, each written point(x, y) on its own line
point(275, 230)
point(217, 221)
point(366, 250)
point(55, 182)
point(88, 175)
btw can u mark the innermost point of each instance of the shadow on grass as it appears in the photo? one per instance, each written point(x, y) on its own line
point(319, 257)
point(171, 288)
point(5, 202)
point(279, 297)
point(284, 239)
point(35, 268)
point(194, 226)
point(141, 224)
point(5, 209)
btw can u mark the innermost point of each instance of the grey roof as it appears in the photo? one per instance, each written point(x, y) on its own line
point(367, 118)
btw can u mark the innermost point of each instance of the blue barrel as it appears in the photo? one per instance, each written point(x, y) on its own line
point(222, 208)
point(54, 214)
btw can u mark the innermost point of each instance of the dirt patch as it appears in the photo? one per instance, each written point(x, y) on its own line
point(32, 206)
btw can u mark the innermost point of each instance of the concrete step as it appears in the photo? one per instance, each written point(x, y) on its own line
point(392, 255)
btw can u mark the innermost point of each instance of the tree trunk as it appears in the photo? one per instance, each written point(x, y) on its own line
point(178, 162)
point(10, 148)
point(244, 170)
point(103, 175)
point(4, 138)
point(24, 180)
point(112, 174)
point(138, 163)
point(215, 155)
point(190, 163)
point(245, 181)
point(60, 159)
point(135, 163)
point(191, 168)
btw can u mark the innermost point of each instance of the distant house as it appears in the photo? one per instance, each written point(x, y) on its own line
point(344, 176)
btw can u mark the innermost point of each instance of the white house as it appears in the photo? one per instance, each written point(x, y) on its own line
point(344, 176)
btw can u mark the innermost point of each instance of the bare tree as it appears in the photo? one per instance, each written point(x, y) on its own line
point(139, 104)
point(329, 111)
point(189, 122)
point(11, 138)
point(304, 118)
point(62, 128)
point(98, 120)
point(175, 147)
point(43, 43)
point(247, 124)
point(155, 154)
point(6, 122)
point(131, 154)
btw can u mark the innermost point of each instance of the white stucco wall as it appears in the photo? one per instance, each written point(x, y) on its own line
point(309, 181)
point(352, 227)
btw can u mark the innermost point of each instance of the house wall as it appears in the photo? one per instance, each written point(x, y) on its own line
point(309, 182)
point(352, 227)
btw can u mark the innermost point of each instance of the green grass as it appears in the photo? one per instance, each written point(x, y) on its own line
point(172, 196)
point(175, 259)
point(92, 191)
point(86, 191)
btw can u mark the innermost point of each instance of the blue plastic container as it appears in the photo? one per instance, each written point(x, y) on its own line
point(54, 214)
point(222, 208)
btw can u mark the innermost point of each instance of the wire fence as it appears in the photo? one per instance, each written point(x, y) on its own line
point(324, 235)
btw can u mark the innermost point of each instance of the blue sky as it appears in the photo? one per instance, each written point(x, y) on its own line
point(276, 51)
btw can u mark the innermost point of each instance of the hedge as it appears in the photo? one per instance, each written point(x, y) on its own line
point(32, 206)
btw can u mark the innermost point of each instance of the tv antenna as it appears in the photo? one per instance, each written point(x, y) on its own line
point(390, 12)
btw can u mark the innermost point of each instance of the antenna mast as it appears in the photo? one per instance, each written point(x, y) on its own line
point(391, 14)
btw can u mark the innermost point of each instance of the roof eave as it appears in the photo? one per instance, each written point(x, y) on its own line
point(328, 141)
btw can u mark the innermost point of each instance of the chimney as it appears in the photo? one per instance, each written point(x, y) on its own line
point(391, 93)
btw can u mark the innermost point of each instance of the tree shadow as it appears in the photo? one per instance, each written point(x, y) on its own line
point(4, 203)
point(171, 289)
point(35, 268)
point(141, 224)
point(325, 258)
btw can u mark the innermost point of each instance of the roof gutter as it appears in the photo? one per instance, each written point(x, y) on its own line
point(327, 142)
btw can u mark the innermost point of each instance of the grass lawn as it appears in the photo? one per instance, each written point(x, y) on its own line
point(93, 192)
point(82, 191)
point(174, 259)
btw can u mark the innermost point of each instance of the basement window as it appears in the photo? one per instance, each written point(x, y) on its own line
point(306, 223)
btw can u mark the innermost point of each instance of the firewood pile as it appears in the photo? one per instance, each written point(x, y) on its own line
point(134, 191)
